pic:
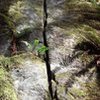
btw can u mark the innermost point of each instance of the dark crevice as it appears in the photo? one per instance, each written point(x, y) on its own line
point(50, 74)
point(90, 49)
point(89, 66)
point(46, 56)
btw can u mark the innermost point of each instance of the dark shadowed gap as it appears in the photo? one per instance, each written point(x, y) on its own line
point(46, 56)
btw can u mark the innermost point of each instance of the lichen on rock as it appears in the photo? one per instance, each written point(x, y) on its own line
point(7, 91)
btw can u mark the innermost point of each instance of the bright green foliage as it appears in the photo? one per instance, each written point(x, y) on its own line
point(42, 49)
point(35, 45)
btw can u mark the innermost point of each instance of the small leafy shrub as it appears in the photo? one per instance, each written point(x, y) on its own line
point(37, 46)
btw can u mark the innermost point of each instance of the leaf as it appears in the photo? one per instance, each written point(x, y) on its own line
point(42, 49)
point(36, 43)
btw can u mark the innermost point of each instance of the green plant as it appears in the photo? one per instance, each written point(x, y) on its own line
point(36, 46)
point(94, 2)
point(36, 43)
point(42, 49)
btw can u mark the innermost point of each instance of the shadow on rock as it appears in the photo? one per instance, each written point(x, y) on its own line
point(86, 48)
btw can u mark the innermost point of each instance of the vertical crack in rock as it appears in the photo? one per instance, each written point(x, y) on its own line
point(46, 57)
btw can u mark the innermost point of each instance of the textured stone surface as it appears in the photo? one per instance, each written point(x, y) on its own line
point(24, 18)
point(69, 25)
point(30, 78)
point(7, 91)
point(74, 40)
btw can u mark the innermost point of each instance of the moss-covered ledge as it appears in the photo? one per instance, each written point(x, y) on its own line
point(7, 91)
point(10, 62)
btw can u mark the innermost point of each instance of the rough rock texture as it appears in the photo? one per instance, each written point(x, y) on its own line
point(73, 35)
point(28, 16)
point(24, 19)
point(26, 80)
point(7, 91)
point(30, 78)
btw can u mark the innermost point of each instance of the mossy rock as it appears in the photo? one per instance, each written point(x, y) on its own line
point(75, 92)
point(61, 93)
point(93, 90)
point(10, 62)
point(7, 91)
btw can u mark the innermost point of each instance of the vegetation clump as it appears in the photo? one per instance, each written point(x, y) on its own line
point(7, 91)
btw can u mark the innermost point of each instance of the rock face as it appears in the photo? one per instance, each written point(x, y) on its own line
point(30, 79)
point(26, 80)
point(74, 40)
point(24, 19)
point(73, 36)
point(28, 19)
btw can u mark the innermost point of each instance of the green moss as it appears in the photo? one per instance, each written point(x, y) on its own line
point(62, 78)
point(89, 34)
point(93, 90)
point(82, 33)
point(61, 88)
point(7, 91)
point(77, 92)
point(63, 75)
point(61, 91)
point(1, 73)
point(70, 96)
point(14, 61)
point(77, 5)
point(20, 58)
point(15, 10)
point(5, 62)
